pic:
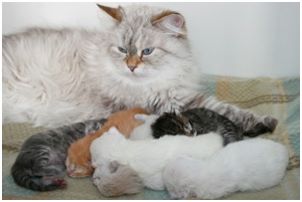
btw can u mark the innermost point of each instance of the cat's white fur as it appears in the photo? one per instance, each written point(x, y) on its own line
point(55, 77)
point(248, 165)
point(148, 157)
point(143, 131)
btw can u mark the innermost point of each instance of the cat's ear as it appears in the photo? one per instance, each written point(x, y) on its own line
point(185, 119)
point(170, 22)
point(115, 13)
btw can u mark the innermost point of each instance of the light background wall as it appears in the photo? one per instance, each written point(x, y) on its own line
point(238, 39)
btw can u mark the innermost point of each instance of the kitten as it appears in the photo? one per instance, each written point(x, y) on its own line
point(78, 160)
point(40, 164)
point(199, 121)
point(143, 60)
point(145, 158)
point(249, 165)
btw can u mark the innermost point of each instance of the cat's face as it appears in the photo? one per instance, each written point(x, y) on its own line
point(148, 43)
point(172, 124)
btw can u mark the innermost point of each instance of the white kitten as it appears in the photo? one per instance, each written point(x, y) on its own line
point(248, 165)
point(148, 157)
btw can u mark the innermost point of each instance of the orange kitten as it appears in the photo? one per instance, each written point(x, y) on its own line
point(78, 160)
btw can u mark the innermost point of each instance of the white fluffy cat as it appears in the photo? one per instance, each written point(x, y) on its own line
point(248, 165)
point(55, 77)
point(147, 158)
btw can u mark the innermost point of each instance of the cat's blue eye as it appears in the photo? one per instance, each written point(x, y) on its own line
point(123, 50)
point(147, 51)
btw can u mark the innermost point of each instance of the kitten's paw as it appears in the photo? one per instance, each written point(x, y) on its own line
point(270, 122)
point(76, 170)
point(267, 124)
point(61, 183)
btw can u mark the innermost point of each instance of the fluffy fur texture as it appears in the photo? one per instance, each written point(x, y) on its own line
point(40, 164)
point(114, 179)
point(78, 160)
point(143, 131)
point(53, 76)
point(200, 121)
point(248, 165)
point(146, 157)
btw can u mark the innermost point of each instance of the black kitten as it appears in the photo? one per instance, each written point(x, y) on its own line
point(40, 164)
point(196, 122)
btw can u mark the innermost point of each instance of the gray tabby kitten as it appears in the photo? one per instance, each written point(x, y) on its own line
point(144, 60)
point(40, 164)
point(201, 121)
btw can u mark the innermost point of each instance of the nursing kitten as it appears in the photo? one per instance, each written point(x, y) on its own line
point(78, 160)
point(200, 121)
point(145, 158)
point(40, 164)
point(249, 165)
point(143, 60)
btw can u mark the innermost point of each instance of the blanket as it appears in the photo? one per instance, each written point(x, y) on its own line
point(265, 96)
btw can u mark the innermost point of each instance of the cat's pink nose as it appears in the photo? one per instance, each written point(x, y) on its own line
point(132, 68)
point(133, 61)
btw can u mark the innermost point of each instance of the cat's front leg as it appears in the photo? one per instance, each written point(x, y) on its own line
point(168, 101)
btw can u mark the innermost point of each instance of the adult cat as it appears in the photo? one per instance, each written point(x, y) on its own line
point(53, 76)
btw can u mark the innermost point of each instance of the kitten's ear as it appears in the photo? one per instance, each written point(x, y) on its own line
point(185, 119)
point(115, 13)
point(170, 22)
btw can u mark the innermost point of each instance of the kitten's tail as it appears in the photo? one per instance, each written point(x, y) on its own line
point(24, 178)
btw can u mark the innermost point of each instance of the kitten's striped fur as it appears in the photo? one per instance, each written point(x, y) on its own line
point(40, 164)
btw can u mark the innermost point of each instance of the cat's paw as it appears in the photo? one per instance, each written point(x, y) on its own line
point(267, 125)
point(76, 170)
point(270, 122)
point(53, 182)
point(60, 183)
point(80, 171)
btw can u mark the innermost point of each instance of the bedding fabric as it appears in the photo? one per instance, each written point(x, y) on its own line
point(277, 97)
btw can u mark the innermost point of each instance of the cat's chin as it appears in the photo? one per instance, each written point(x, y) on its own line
point(138, 75)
